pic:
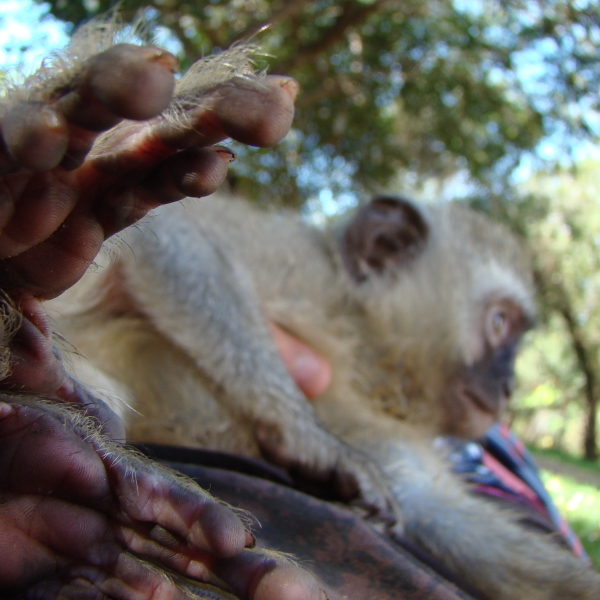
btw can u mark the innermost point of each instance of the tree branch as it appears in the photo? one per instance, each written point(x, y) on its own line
point(585, 360)
point(289, 10)
point(350, 17)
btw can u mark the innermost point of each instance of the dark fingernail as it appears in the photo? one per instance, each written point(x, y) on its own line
point(225, 153)
point(250, 540)
point(291, 86)
point(164, 58)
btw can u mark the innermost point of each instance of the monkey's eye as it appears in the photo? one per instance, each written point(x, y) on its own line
point(497, 326)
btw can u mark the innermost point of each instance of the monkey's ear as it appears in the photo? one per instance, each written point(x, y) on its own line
point(386, 234)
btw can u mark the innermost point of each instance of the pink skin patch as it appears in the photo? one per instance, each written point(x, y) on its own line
point(311, 371)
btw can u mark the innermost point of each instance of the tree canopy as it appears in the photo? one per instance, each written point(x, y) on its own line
point(391, 88)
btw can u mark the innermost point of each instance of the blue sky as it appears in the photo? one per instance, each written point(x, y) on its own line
point(25, 36)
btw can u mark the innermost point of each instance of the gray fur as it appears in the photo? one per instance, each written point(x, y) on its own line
point(178, 317)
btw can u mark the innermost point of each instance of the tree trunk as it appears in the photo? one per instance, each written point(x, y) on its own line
point(590, 448)
point(585, 354)
point(586, 362)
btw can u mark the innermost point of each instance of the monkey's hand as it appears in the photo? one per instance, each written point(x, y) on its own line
point(353, 475)
point(80, 516)
point(64, 190)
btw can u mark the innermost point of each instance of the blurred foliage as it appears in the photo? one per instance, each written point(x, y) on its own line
point(396, 86)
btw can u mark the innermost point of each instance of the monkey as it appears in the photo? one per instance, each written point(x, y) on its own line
point(419, 309)
point(89, 143)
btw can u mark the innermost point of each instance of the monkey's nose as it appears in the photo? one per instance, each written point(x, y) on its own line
point(508, 388)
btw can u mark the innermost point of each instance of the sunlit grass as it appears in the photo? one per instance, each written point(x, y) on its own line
point(567, 458)
point(580, 504)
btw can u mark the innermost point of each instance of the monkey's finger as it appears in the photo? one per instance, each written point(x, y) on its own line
point(81, 221)
point(150, 494)
point(267, 104)
point(362, 482)
point(155, 586)
point(96, 585)
point(254, 574)
point(34, 136)
point(42, 453)
point(110, 424)
point(52, 549)
point(196, 172)
point(254, 110)
point(39, 136)
point(48, 268)
point(35, 366)
point(125, 81)
point(48, 449)
point(265, 575)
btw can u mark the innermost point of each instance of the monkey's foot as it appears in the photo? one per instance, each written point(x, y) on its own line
point(80, 516)
point(320, 458)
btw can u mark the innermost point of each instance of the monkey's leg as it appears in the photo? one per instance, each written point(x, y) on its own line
point(486, 545)
point(89, 513)
point(186, 285)
point(481, 543)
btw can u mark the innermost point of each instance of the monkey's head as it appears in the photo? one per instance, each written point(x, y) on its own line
point(448, 295)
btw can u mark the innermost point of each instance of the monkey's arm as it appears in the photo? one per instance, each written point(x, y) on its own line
point(202, 299)
point(480, 542)
point(77, 510)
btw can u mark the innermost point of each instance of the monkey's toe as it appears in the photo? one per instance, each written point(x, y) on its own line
point(365, 486)
point(257, 111)
point(47, 449)
point(266, 575)
point(51, 120)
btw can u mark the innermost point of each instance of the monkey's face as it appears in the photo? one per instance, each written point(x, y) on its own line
point(448, 295)
point(476, 394)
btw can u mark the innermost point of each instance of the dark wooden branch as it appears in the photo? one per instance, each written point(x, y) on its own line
point(289, 9)
point(585, 360)
point(352, 15)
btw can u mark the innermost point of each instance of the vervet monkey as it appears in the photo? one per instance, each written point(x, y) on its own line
point(419, 309)
point(80, 517)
